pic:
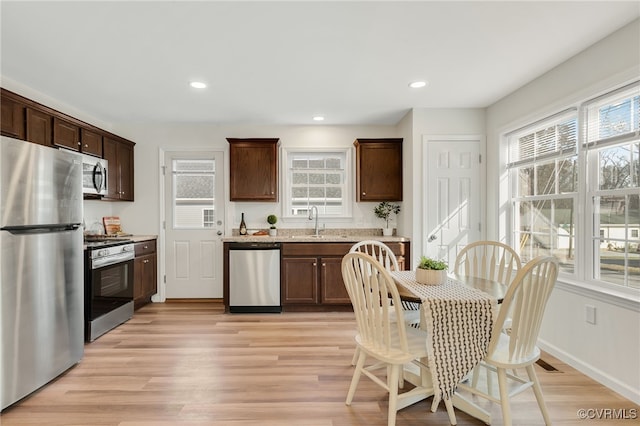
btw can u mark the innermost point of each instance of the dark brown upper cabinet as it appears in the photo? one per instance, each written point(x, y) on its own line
point(66, 134)
point(379, 169)
point(13, 117)
point(119, 154)
point(253, 174)
point(91, 142)
point(39, 127)
point(25, 119)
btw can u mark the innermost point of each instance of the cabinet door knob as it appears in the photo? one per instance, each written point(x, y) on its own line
point(79, 143)
point(146, 247)
point(145, 261)
point(86, 145)
point(364, 193)
point(315, 264)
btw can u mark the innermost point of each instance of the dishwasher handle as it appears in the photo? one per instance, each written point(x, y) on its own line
point(254, 246)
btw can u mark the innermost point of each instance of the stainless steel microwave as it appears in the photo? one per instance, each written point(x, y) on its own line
point(94, 175)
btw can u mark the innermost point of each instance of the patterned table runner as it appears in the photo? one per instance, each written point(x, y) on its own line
point(459, 320)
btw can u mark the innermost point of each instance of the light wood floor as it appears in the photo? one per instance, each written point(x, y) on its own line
point(188, 363)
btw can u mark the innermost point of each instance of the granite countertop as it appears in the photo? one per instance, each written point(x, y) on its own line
point(139, 238)
point(311, 239)
point(306, 236)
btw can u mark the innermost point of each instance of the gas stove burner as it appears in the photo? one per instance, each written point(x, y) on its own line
point(105, 242)
point(93, 238)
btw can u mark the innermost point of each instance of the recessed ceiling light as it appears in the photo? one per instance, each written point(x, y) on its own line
point(417, 84)
point(318, 118)
point(197, 85)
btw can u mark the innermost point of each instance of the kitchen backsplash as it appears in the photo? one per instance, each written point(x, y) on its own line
point(94, 211)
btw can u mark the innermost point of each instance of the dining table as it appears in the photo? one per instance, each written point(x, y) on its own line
point(458, 316)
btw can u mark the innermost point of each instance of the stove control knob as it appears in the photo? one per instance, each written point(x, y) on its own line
point(127, 248)
point(103, 252)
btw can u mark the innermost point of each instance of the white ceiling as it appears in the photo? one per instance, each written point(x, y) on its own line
point(284, 62)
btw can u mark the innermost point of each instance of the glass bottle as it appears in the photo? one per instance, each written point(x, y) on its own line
point(243, 226)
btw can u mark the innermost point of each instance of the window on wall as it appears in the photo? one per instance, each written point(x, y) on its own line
point(612, 143)
point(193, 193)
point(317, 178)
point(208, 218)
point(584, 159)
point(543, 172)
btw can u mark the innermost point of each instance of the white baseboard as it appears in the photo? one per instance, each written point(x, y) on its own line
point(605, 379)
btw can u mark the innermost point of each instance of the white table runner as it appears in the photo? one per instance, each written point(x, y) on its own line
point(459, 320)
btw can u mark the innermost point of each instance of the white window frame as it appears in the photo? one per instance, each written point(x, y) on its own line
point(591, 147)
point(586, 228)
point(205, 211)
point(532, 160)
point(347, 191)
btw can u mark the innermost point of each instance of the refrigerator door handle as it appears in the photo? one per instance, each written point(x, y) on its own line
point(40, 229)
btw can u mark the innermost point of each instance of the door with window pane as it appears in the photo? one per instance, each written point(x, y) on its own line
point(194, 212)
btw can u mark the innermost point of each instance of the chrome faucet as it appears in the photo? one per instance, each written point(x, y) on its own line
point(311, 217)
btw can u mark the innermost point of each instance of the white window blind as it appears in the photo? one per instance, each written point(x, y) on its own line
point(581, 159)
point(548, 138)
point(613, 118)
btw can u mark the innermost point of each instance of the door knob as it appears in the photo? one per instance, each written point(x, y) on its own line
point(432, 238)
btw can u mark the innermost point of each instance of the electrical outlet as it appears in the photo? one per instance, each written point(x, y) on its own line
point(590, 314)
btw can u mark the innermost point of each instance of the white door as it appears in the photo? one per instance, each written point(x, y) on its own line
point(453, 196)
point(194, 214)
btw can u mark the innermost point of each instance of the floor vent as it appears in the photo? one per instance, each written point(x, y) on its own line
point(547, 366)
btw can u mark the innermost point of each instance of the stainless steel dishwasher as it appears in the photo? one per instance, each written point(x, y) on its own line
point(254, 277)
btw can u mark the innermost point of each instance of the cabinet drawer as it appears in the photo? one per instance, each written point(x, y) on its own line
point(315, 249)
point(145, 247)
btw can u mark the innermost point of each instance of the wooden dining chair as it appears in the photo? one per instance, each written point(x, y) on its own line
point(491, 260)
point(383, 254)
point(382, 333)
point(527, 295)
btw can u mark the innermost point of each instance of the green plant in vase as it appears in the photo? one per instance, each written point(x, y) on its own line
point(272, 219)
point(431, 271)
point(384, 210)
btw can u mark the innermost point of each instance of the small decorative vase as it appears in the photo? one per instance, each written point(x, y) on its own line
point(431, 276)
point(387, 232)
point(273, 232)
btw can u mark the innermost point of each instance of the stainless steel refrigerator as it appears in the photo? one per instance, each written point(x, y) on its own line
point(41, 266)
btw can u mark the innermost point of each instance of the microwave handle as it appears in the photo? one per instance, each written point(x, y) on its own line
point(99, 177)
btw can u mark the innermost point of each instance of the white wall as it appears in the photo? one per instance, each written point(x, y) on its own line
point(610, 349)
point(143, 215)
point(429, 121)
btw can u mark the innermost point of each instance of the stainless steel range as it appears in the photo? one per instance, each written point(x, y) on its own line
point(108, 285)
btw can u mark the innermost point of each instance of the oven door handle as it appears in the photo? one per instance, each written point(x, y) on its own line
point(111, 260)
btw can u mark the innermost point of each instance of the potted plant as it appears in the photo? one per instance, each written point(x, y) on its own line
point(384, 211)
point(431, 271)
point(272, 219)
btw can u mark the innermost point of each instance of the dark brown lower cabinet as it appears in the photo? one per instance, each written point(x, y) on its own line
point(145, 273)
point(311, 275)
